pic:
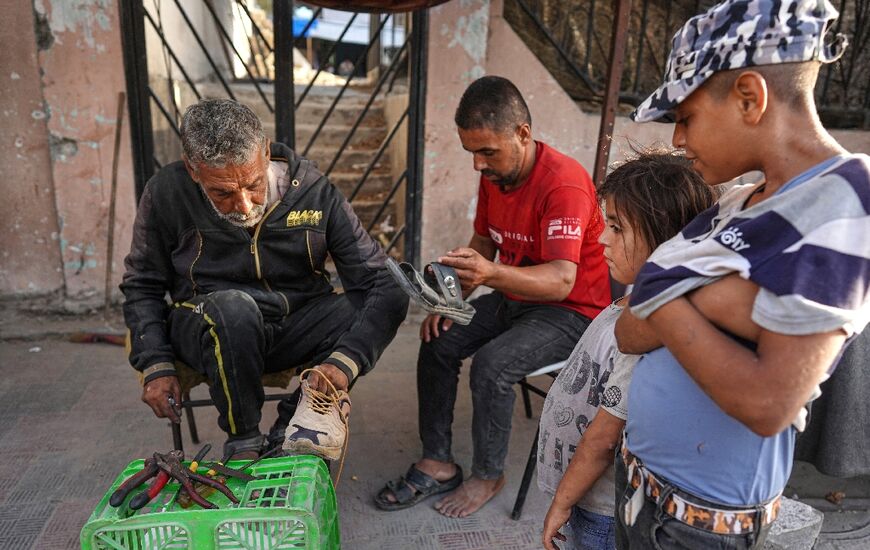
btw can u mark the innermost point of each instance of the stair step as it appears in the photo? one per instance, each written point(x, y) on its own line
point(376, 184)
point(333, 135)
point(351, 160)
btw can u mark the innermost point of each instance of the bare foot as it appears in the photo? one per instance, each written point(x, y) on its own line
point(469, 497)
point(440, 471)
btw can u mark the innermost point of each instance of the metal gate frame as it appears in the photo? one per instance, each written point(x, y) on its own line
point(132, 13)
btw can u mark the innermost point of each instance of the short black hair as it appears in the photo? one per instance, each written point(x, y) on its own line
point(494, 103)
point(792, 83)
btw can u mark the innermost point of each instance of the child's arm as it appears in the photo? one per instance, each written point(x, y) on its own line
point(593, 456)
point(765, 389)
point(727, 303)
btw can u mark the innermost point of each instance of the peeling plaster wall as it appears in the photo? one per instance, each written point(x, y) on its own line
point(82, 73)
point(29, 249)
point(457, 56)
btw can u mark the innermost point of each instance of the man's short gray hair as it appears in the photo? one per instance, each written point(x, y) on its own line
point(219, 132)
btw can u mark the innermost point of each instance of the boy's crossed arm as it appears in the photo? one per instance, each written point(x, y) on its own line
point(765, 389)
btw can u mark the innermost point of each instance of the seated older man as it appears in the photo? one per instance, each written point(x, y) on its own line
point(238, 233)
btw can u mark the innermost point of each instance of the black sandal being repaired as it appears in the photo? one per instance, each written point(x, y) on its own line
point(436, 290)
point(414, 487)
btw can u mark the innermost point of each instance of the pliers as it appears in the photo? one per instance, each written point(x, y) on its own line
point(170, 464)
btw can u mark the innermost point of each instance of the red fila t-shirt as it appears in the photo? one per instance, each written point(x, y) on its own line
point(554, 215)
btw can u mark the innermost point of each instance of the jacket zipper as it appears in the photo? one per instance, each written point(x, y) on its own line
point(256, 254)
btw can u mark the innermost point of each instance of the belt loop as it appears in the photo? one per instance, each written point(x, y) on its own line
point(666, 490)
point(760, 518)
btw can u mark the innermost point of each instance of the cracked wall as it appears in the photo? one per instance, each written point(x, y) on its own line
point(62, 110)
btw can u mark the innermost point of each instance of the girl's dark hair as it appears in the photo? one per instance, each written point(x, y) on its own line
point(657, 192)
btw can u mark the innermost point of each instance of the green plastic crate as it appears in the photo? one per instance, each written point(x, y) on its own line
point(291, 507)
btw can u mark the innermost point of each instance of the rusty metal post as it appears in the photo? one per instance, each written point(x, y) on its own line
point(618, 40)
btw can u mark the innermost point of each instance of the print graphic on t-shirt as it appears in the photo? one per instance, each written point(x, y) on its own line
point(564, 414)
point(582, 423)
point(542, 447)
point(557, 454)
point(611, 397)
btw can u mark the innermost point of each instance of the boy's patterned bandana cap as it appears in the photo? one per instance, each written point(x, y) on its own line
point(737, 34)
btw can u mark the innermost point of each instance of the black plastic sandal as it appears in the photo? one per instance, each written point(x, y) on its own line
point(437, 290)
point(414, 487)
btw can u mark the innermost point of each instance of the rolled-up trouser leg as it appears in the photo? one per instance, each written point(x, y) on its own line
point(539, 335)
point(221, 335)
point(438, 373)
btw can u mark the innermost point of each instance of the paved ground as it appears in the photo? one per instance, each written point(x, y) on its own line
point(70, 419)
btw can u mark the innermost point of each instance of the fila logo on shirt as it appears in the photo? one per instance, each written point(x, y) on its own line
point(564, 228)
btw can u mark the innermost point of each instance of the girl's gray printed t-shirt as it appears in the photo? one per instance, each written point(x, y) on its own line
point(595, 375)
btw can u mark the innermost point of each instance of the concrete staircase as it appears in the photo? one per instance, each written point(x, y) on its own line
point(357, 155)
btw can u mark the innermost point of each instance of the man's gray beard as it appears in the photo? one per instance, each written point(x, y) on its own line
point(236, 218)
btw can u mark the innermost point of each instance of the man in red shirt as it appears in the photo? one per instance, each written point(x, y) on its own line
point(538, 210)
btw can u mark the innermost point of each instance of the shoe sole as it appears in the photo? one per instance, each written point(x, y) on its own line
point(306, 447)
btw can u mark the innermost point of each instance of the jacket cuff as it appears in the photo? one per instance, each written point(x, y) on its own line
point(158, 370)
point(347, 365)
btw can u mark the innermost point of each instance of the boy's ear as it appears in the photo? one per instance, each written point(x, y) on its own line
point(750, 90)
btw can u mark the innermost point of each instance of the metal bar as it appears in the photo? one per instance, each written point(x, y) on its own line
point(830, 68)
point(364, 111)
point(395, 75)
point(343, 89)
point(285, 116)
point(229, 40)
point(527, 480)
point(392, 244)
point(639, 58)
point(611, 94)
point(590, 30)
point(255, 51)
point(565, 57)
point(416, 113)
point(165, 112)
point(208, 57)
point(172, 54)
point(377, 156)
point(256, 27)
point(386, 202)
point(328, 55)
point(138, 105)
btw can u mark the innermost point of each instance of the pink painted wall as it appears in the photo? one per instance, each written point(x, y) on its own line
point(62, 109)
point(29, 253)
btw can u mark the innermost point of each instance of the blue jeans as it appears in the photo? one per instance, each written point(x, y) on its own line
point(657, 530)
point(592, 531)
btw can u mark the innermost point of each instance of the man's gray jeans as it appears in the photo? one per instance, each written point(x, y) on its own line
point(508, 339)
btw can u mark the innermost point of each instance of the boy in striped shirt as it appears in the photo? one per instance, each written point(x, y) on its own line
point(779, 272)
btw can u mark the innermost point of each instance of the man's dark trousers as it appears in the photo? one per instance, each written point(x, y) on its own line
point(224, 336)
point(509, 339)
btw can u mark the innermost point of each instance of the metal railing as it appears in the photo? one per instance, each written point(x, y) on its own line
point(258, 69)
point(570, 38)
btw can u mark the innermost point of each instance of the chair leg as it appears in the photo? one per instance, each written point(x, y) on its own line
point(527, 480)
point(176, 436)
point(527, 403)
point(191, 420)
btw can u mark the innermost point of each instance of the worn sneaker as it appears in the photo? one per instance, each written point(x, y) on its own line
point(319, 426)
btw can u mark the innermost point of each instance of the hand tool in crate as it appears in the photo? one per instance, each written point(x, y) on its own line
point(171, 464)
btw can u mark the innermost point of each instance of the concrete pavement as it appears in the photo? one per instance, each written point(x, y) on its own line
point(71, 419)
